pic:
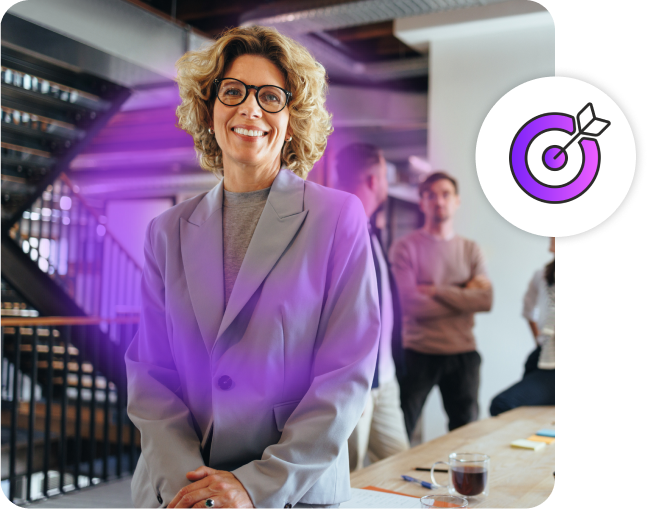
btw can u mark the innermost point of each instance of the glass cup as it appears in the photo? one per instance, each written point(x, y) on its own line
point(468, 474)
point(443, 501)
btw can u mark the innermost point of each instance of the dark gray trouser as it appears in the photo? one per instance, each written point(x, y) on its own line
point(537, 387)
point(457, 376)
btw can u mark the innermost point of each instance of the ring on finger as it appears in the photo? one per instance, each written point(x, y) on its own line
point(209, 502)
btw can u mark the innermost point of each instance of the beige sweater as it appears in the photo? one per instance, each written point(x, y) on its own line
point(441, 324)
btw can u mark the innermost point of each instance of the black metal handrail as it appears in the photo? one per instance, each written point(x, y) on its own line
point(66, 421)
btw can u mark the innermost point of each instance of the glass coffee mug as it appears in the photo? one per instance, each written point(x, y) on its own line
point(468, 474)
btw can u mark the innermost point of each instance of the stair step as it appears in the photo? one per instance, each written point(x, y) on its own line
point(26, 313)
point(57, 350)
point(34, 153)
point(28, 331)
point(32, 124)
point(13, 179)
point(86, 381)
point(13, 305)
point(60, 365)
point(39, 88)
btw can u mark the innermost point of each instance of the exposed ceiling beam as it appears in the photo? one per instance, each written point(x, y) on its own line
point(381, 29)
point(156, 12)
point(131, 159)
point(358, 107)
point(331, 14)
point(297, 22)
point(118, 28)
point(417, 31)
point(154, 185)
point(190, 13)
point(31, 39)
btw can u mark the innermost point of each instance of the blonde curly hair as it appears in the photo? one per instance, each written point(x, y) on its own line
point(305, 78)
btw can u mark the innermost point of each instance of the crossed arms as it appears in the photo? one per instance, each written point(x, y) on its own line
point(425, 301)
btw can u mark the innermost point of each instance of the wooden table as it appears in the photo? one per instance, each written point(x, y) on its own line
point(518, 478)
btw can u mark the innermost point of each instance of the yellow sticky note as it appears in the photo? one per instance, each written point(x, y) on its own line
point(528, 444)
point(546, 440)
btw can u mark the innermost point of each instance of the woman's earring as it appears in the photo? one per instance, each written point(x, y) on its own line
point(289, 138)
point(210, 131)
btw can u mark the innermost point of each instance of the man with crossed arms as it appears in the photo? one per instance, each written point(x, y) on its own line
point(442, 283)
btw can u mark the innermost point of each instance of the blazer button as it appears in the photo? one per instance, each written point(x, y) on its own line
point(289, 506)
point(225, 382)
point(160, 499)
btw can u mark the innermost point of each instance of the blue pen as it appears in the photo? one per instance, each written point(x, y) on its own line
point(425, 484)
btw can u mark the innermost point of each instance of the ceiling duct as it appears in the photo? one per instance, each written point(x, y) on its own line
point(333, 14)
point(308, 25)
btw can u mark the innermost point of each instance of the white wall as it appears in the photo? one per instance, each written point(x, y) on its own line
point(468, 74)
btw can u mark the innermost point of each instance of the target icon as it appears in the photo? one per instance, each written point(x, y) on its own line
point(546, 162)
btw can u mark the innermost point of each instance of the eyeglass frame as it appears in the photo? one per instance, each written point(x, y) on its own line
point(218, 81)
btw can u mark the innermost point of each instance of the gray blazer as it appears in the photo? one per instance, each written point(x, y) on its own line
point(282, 373)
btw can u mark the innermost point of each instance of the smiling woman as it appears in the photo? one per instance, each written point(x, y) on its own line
point(295, 71)
point(251, 138)
point(260, 320)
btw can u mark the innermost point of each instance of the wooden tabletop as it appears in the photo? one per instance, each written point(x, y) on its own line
point(518, 477)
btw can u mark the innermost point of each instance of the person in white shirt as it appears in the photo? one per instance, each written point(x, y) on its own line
point(361, 170)
point(538, 384)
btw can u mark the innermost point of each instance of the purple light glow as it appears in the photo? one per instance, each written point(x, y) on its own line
point(65, 203)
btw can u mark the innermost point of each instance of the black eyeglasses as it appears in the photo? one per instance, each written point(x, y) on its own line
point(232, 92)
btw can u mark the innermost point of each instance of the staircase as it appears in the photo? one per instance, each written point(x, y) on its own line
point(49, 115)
point(70, 291)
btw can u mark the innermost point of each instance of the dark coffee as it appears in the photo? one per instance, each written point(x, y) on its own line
point(469, 481)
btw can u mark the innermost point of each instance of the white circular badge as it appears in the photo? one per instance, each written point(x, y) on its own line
point(555, 157)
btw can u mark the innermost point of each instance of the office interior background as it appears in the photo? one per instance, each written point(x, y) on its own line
point(91, 153)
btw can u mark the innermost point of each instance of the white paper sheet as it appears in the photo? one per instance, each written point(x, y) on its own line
point(377, 499)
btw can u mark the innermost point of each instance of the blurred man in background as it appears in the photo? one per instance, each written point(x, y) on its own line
point(442, 283)
point(362, 170)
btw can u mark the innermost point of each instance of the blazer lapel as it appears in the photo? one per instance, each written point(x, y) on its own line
point(280, 221)
point(201, 243)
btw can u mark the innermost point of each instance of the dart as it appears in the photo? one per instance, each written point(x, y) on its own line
point(588, 125)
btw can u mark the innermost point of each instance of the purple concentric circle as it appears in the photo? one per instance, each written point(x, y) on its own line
point(520, 167)
point(553, 159)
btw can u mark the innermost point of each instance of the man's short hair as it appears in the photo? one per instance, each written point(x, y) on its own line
point(353, 163)
point(426, 185)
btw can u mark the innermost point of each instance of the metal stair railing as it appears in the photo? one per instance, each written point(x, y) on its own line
point(73, 431)
point(68, 240)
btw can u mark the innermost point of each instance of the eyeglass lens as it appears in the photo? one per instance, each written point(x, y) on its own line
point(270, 98)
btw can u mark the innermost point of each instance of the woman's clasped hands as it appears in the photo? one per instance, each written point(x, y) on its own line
point(220, 486)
